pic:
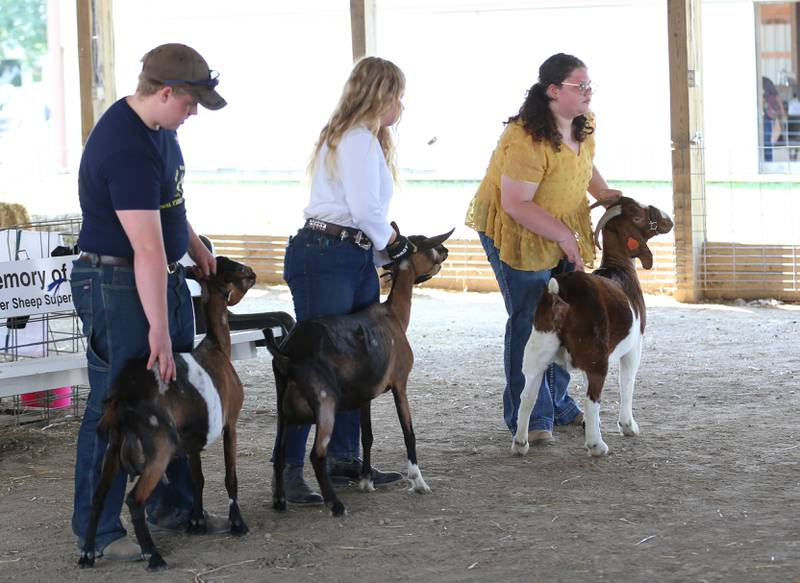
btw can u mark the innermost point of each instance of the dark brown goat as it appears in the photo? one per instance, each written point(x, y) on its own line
point(149, 422)
point(340, 363)
point(584, 321)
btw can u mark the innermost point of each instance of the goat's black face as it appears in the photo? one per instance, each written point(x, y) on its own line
point(430, 255)
point(236, 278)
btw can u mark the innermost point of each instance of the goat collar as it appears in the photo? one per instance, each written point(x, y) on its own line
point(218, 287)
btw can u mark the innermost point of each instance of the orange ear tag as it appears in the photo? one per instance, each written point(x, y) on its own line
point(633, 244)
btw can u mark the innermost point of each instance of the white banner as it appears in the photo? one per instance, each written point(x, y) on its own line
point(36, 286)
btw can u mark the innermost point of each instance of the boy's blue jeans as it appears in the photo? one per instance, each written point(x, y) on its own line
point(116, 328)
point(521, 292)
point(328, 276)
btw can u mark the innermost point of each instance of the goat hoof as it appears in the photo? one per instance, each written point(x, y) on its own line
point(156, 563)
point(630, 429)
point(366, 485)
point(518, 448)
point(420, 487)
point(239, 528)
point(197, 527)
point(86, 560)
point(597, 449)
point(279, 504)
point(338, 509)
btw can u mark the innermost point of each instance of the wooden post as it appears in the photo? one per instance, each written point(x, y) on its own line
point(85, 66)
point(95, 61)
point(688, 179)
point(362, 27)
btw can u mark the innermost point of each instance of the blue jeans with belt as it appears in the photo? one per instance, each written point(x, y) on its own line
point(116, 329)
point(328, 276)
point(521, 292)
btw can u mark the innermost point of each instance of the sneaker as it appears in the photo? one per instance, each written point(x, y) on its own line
point(348, 470)
point(579, 420)
point(297, 492)
point(122, 549)
point(178, 521)
point(541, 438)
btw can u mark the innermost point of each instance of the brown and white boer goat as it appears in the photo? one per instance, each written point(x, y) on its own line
point(584, 321)
point(149, 422)
point(340, 363)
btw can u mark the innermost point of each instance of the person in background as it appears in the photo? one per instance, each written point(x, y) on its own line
point(127, 285)
point(329, 264)
point(532, 217)
point(774, 116)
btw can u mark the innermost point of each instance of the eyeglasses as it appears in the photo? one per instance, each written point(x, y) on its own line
point(583, 87)
point(210, 83)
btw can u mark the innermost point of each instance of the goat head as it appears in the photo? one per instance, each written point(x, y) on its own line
point(429, 255)
point(633, 224)
point(232, 278)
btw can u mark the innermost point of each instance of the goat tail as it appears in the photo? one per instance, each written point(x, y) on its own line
point(137, 426)
point(552, 286)
point(279, 360)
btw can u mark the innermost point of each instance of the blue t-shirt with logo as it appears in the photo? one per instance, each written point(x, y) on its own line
point(128, 166)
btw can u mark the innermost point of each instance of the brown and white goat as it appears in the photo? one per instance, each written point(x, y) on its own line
point(340, 363)
point(584, 321)
point(149, 422)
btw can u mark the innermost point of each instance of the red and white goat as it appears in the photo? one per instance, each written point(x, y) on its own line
point(584, 321)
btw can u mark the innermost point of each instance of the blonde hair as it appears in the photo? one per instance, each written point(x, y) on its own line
point(375, 86)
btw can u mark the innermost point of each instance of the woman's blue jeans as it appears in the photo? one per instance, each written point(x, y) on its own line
point(116, 329)
point(328, 276)
point(521, 292)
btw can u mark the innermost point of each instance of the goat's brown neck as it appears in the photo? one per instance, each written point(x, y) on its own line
point(615, 257)
point(217, 328)
point(399, 300)
point(618, 266)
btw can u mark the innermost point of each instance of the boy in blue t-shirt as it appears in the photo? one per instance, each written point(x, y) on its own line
point(127, 286)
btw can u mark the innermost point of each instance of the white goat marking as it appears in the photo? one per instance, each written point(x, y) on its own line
point(153, 421)
point(201, 381)
point(162, 386)
point(540, 351)
point(417, 483)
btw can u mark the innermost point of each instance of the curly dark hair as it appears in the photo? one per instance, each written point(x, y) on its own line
point(535, 114)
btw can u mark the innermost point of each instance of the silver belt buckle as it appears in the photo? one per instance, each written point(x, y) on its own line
point(317, 225)
point(358, 241)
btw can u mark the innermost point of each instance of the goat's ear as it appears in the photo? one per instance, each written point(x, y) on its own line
point(432, 242)
point(192, 272)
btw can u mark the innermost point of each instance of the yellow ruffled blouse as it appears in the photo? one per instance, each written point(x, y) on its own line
point(563, 179)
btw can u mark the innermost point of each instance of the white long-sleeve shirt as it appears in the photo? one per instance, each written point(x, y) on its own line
point(359, 195)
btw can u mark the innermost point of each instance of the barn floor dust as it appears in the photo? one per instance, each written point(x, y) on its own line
point(708, 492)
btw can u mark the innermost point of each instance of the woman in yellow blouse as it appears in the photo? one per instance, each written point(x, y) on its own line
point(532, 216)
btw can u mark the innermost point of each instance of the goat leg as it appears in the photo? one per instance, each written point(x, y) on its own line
point(404, 415)
point(109, 472)
point(238, 527)
point(136, 500)
point(628, 366)
point(540, 350)
point(594, 440)
point(365, 480)
point(278, 461)
point(197, 521)
point(325, 416)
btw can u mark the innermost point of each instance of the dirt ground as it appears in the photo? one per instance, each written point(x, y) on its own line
point(708, 492)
